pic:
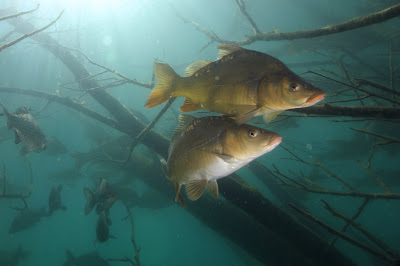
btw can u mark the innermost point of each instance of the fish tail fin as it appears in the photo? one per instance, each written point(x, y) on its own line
point(166, 78)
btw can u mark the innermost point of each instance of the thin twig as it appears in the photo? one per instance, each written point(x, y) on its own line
point(20, 13)
point(341, 235)
point(391, 139)
point(356, 225)
point(242, 7)
point(31, 33)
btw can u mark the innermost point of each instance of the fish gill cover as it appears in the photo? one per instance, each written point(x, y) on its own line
point(279, 119)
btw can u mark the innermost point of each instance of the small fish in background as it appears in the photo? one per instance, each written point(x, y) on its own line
point(55, 202)
point(205, 149)
point(13, 257)
point(102, 197)
point(55, 147)
point(26, 219)
point(102, 227)
point(241, 83)
point(26, 130)
point(88, 259)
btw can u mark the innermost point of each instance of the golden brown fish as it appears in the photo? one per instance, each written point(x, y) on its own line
point(241, 83)
point(205, 149)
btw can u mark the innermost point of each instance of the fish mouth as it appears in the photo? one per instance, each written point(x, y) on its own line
point(275, 141)
point(316, 97)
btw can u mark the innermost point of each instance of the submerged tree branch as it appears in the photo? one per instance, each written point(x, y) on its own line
point(20, 13)
point(31, 33)
point(343, 236)
point(352, 24)
point(353, 111)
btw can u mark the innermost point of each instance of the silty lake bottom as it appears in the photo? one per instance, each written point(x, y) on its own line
point(81, 175)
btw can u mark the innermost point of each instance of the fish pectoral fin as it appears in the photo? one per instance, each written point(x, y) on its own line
point(17, 138)
point(271, 115)
point(246, 117)
point(195, 188)
point(226, 158)
point(196, 66)
point(212, 186)
point(189, 106)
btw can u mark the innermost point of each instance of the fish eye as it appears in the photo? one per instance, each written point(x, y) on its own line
point(252, 133)
point(294, 87)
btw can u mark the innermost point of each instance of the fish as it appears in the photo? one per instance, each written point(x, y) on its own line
point(55, 202)
point(26, 130)
point(102, 197)
point(241, 83)
point(13, 257)
point(27, 218)
point(102, 227)
point(202, 150)
point(88, 259)
point(55, 147)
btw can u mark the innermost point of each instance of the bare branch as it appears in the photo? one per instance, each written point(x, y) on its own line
point(391, 139)
point(352, 24)
point(242, 7)
point(20, 13)
point(341, 235)
point(31, 33)
point(369, 235)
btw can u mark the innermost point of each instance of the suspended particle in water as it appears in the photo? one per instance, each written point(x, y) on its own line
point(309, 146)
point(217, 78)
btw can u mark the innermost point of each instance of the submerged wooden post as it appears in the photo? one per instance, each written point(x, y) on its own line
point(247, 218)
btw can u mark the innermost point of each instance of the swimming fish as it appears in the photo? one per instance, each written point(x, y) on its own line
point(102, 227)
point(241, 83)
point(203, 150)
point(55, 202)
point(102, 197)
point(26, 130)
point(27, 218)
point(88, 259)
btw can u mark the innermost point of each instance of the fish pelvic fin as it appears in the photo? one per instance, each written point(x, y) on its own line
point(212, 186)
point(271, 115)
point(166, 78)
point(195, 188)
point(189, 106)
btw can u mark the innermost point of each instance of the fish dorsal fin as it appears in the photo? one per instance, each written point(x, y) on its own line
point(189, 106)
point(269, 116)
point(226, 49)
point(195, 188)
point(184, 122)
point(212, 186)
point(194, 67)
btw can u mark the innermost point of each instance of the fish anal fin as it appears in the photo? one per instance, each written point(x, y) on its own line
point(241, 119)
point(196, 66)
point(189, 106)
point(212, 186)
point(177, 190)
point(166, 77)
point(271, 115)
point(17, 138)
point(226, 49)
point(195, 188)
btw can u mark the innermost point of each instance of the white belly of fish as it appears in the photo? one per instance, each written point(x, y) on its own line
point(219, 169)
